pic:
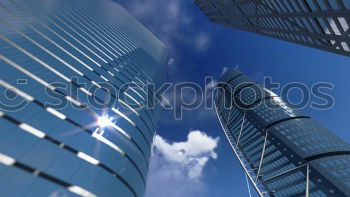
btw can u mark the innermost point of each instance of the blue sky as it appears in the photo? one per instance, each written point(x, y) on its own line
point(205, 165)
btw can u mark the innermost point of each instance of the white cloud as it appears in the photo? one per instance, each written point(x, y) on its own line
point(166, 20)
point(211, 85)
point(202, 41)
point(171, 61)
point(185, 152)
point(173, 8)
point(170, 21)
point(209, 93)
point(176, 168)
point(172, 65)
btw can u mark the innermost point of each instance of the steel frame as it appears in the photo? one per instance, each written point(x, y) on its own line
point(254, 179)
point(299, 24)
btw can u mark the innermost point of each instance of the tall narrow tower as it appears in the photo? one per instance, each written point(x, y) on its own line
point(73, 93)
point(283, 152)
point(320, 24)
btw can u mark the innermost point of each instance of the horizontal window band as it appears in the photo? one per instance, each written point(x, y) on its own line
point(149, 130)
point(56, 113)
point(132, 98)
point(26, 72)
point(132, 123)
point(32, 130)
point(137, 114)
point(73, 121)
point(16, 91)
point(132, 80)
point(53, 179)
point(122, 102)
point(60, 18)
point(327, 154)
point(79, 24)
point(286, 119)
point(25, 52)
point(233, 78)
point(11, 119)
point(38, 173)
point(59, 115)
point(61, 75)
point(24, 167)
point(140, 149)
point(257, 101)
point(70, 149)
point(245, 86)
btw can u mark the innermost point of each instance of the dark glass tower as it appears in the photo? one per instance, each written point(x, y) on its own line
point(73, 78)
point(322, 24)
point(283, 151)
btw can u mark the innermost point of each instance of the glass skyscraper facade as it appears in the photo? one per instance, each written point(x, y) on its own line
point(73, 93)
point(320, 24)
point(283, 151)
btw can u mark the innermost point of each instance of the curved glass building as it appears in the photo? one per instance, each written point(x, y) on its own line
point(283, 151)
point(76, 80)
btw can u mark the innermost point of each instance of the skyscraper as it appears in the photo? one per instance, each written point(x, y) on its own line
point(283, 151)
point(318, 24)
point(73, 89)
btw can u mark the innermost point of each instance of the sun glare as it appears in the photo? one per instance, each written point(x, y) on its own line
point(104, 121)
